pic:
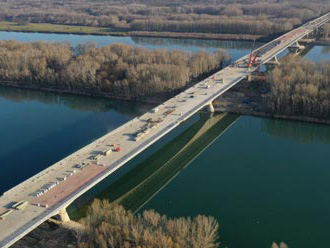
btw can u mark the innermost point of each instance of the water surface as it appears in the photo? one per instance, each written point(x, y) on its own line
point(37, 129)
point(264, 180)
point(236, 48)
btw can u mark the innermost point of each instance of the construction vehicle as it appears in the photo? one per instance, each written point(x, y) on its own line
point(166, 113)
point(151, 121)
point(97, 157)
point(3, 215)
point(20, 205)
point(107, 152)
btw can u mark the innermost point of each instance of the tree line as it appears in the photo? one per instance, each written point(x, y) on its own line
point(217, 16)
point(111, 226)
point(299, 87)
point(115, 70)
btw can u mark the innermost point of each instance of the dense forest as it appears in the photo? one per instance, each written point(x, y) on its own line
point(250, 17)
point(300, 87)
point(111, 226)
point(116, 70)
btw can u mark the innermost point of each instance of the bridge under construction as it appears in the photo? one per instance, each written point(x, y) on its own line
point(51, 191)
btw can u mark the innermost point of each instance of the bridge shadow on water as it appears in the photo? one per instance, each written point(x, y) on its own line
point(140, 184)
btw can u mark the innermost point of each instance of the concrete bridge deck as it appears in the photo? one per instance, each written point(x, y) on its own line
point(151, 126)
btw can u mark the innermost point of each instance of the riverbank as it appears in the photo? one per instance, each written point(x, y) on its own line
point(58, 29)
point(243, 99)
point(205, 36)
point(49, 28)
point(246, 98)
point(88, 30)
point(152, 100)
point(321, 42)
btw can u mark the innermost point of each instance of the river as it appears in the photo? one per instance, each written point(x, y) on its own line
point(264, 180)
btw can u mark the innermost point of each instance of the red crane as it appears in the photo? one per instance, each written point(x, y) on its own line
point(253, 60)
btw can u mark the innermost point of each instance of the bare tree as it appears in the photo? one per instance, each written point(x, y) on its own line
point(116, 70)
point(300, 87)
point(110, 225)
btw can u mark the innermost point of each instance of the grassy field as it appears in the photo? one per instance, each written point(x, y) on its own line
point(53, 28)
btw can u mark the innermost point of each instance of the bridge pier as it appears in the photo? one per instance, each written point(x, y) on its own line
point(63, 215)
point(296, 48)
point(272, 63)
point(249, 78)
point(320, 31)
point(210, 107)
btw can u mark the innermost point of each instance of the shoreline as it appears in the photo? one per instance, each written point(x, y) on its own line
point(195, 36)
point(154, 34)
point(321, 43)
point(149, 100)
point(117, 34)
point(282, 117)
point(158, 100)
point(46, 28)
point(50, 28)
point(201, 36)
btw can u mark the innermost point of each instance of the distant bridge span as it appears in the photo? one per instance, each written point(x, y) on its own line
point(49, 192)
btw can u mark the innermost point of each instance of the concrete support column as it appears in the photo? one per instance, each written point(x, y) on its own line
point(249, 78)
point(273, 62)
point(296, 48)
point(210, 108)
point(63, 215)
